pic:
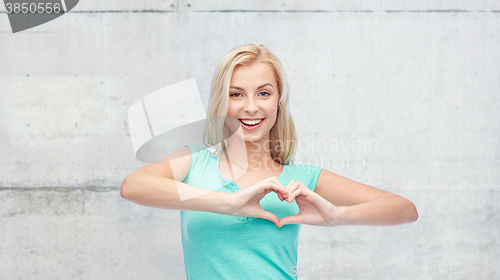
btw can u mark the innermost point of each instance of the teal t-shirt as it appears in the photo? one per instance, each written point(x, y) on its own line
point(218, 246)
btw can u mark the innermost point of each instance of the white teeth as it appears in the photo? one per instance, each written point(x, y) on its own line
point(251, 122)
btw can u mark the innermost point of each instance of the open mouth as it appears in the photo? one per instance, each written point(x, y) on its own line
point(251, 123)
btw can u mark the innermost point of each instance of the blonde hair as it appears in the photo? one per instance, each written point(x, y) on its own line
point(282, 135)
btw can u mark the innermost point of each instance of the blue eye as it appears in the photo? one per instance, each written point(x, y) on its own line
point(234, 94)
point(267, 93)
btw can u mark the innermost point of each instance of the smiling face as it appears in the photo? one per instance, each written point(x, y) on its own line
point(253, 100)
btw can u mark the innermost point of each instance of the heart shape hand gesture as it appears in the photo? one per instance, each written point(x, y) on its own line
point(313, 209)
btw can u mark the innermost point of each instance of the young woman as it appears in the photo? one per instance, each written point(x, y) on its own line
point(246, 201)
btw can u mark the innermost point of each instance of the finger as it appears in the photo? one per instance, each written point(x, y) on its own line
point(297, 219)
point(273, 186)
point(267, 179)
point(295, 186)
point(278, 182)
point(263, 187)
point(268, 216)
point(294, 194)
point(280, 196)
point(291, 182)
point(272, 179)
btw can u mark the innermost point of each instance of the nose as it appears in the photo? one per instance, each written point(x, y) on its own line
point(251, 106)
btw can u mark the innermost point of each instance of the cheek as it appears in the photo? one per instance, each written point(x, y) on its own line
point(231, 110)
point(271, 110)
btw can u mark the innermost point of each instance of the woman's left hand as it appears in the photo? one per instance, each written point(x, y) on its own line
point(313, 209)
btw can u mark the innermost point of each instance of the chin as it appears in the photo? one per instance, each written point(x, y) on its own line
point(251, 138)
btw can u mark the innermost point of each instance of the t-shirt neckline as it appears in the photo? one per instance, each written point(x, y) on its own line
point(216, 162)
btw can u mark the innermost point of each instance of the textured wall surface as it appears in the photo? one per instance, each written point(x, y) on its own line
point(401, 96)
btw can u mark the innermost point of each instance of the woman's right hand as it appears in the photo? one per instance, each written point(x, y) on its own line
point(246, 202)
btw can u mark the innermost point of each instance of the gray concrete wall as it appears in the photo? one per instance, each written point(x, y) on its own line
point(406, 95)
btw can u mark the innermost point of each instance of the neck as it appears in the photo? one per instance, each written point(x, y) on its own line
point(252, 155)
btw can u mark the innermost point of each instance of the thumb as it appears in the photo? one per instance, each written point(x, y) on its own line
point(290, 220)
point(268, 216)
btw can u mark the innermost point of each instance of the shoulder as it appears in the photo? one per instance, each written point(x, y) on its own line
point(199, 149)
point(195, 148)
point(305, 169)
point(202, 164)
point(305, 173)
point(199, 153)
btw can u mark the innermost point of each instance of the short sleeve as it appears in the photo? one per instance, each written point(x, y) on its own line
point(195, 154)
point(309, 175)
point(195, 149)
point(314, 172)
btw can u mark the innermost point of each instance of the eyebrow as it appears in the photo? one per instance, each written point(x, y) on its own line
point(264, 85)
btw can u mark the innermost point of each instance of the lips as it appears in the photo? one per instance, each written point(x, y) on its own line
point(250, 124)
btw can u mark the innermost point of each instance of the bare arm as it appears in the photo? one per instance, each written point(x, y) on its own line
point(360, 204)
point(160, 185)
point(388, 209)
